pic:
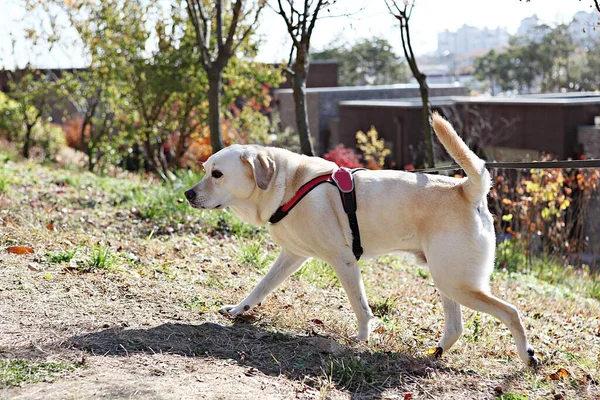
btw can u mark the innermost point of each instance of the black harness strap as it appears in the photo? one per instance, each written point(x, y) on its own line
point(347, 195)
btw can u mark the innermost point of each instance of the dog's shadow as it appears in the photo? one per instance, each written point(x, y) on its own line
point(272, 353)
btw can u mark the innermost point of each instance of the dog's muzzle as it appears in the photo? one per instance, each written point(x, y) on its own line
point(190, 194)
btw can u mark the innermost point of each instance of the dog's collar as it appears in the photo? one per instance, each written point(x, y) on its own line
point(343, 179)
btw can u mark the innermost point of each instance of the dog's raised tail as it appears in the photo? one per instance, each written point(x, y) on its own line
point(478, 182)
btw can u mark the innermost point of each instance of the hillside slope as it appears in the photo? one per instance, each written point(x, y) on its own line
point(119, 299)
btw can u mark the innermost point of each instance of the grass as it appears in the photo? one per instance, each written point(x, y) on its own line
point(165, 269)
point(546, 268)
point(101, 258)
point(61, 256)
point(3, 185)
point(18, 372)
point(253, 254)
point(383, 308)
point(318, 273)
point(354, 374)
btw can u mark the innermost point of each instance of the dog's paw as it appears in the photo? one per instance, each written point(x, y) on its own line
point(360, 338)
point(233, 310)
point(533, 361)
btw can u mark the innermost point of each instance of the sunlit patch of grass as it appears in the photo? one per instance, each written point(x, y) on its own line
point(62, 256)
point(3, 184)
point(318, 273)
point(101, 258)
point(198, 303)
point(252, 253)
point(17, 372)
point(512, 396)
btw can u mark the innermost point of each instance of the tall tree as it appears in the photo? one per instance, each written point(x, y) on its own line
point(368, 62)
point(217, 46)
point(403, 14)
point(300, 18)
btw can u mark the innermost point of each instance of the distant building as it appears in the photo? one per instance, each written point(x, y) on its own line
point(526, 124)
point(323, 106)
point(528, 25)
point(322, 73)
point(468, 40)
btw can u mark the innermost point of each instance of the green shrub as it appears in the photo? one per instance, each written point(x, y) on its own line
point(510, 255)
point(50, 138)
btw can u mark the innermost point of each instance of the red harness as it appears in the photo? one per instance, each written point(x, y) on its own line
point(343, 179)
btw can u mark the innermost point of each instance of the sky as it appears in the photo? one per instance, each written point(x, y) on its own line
point(363, 19)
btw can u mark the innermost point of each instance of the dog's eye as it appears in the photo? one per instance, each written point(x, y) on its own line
point(217, 174)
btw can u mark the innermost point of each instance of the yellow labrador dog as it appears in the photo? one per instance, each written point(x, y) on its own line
point(443, 221)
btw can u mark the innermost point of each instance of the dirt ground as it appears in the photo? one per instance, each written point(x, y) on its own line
point(146, 326)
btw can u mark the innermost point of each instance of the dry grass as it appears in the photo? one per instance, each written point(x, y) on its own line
point(126, 280)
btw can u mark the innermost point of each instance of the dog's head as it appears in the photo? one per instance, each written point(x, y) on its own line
point(232, 175)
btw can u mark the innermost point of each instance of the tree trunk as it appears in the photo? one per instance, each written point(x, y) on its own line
point(214, 110)
point(427, 131)
point(423, 89)
point(27, 143)
point(299, 89)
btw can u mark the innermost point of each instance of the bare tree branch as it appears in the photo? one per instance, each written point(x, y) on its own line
point(314, 19)
point(249, 29)
point(288, 23)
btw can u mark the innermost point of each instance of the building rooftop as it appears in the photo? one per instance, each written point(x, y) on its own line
point(371, 88)
point(565, 99)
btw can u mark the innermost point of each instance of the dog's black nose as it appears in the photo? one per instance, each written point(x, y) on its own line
point(190, 194)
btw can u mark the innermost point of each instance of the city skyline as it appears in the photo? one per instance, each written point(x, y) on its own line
point(372, 20)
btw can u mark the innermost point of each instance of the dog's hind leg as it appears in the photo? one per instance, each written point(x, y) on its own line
point(286, 264)
point(483, 301)
point(453, 325)
point(348, 272)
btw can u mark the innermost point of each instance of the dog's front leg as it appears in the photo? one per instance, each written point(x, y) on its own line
point(286, 264)
point(348, 272)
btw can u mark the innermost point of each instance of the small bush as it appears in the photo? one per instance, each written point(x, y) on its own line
point(344, 157)
point(372, 148)
point(49, 139)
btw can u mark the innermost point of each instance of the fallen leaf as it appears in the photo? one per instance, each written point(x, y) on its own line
point(33, 267)
point(48, 277)
point(20, 250)
point(560, 374)
point(50, 226)
point(379, 330)
point(408, 396)
point(430, 351)
point(251, 371)
point(498, 390)
point(317, 321)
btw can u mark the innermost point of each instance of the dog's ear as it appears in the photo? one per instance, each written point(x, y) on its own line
point(263, 167)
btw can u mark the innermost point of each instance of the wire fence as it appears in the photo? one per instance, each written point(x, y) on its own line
point(565, 164)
